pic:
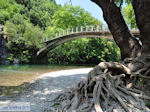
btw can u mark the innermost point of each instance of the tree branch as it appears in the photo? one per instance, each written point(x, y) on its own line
point(121, 2)
point(128, 45)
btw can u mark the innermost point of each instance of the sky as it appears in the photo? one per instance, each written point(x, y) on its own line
point(88, 5)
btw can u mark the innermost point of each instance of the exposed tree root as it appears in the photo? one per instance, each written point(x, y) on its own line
point(107, 87)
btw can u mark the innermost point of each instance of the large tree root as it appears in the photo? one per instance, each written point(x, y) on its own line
point(107, 87)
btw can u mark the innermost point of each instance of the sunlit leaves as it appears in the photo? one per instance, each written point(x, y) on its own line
point(20, 29)
point(68, 16)
point(128, 12)
point(129, 15)
point(8, 9)
point(42, 14)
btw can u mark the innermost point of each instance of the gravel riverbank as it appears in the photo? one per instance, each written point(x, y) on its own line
point(47, 87)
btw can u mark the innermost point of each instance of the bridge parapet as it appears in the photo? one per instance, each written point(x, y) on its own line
point(86, 28)
point(78, 29)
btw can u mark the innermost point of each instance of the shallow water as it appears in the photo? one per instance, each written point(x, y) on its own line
point(14, 75)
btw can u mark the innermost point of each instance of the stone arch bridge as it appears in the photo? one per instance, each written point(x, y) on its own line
point(78, 32)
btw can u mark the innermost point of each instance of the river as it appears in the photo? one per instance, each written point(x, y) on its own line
point(13, 78)
point(14, 75)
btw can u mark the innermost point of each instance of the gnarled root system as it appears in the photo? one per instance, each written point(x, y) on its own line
point(108, 87)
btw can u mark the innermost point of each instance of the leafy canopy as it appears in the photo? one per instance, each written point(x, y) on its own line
point(68, 17)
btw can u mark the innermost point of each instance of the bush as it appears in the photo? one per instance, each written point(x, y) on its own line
point(85, 51)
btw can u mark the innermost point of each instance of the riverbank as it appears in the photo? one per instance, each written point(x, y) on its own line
point(47, 87)
point(15, 75)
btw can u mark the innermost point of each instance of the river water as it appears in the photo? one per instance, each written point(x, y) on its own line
point(14, 75)
point(15, 78)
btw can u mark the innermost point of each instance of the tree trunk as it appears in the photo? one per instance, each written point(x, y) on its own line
point(142, 14)
point(128, 45)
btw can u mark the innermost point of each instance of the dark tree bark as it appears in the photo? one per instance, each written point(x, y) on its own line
point(142, 14)
point(128, 45)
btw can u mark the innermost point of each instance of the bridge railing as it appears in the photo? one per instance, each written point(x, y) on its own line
point(88, 28)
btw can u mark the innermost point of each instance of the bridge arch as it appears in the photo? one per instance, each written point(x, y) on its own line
point(51, 44)
point(81, 32)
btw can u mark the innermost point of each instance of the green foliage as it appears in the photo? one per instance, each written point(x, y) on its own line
point(68, 17)
point(129, 15)
point(42, 15)
point(19, 29)
point(24, 38)
point(24, 56)
point(21, 51)
point(85, 51)
point(50, 32)
point(8, 9)
point(128, 12)
point(29, 22)
point(33, 36)
point(40, 12)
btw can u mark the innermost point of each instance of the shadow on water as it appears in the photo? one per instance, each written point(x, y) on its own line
point(12, 90)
